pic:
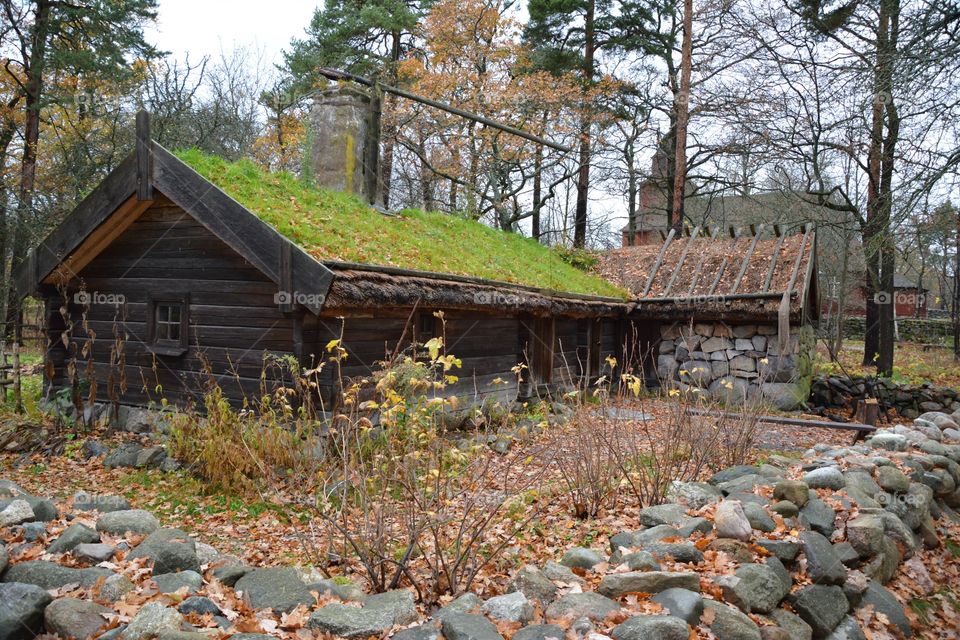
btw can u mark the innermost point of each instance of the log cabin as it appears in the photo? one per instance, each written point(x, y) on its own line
point(180, 271)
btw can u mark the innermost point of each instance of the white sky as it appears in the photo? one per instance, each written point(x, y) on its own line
point(205, 27)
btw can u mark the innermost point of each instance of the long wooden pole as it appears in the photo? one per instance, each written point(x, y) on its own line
point(336, 74)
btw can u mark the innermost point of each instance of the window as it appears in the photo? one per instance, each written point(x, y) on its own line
point(167, 324)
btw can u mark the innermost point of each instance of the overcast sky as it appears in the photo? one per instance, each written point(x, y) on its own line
point(205, 27)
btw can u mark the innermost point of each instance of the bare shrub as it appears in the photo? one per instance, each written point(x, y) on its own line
point(589, 463)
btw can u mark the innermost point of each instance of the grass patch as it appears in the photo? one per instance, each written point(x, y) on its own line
point(337, 226)
point(912, 365)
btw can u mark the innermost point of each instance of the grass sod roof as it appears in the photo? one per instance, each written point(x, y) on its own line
point(330, 225)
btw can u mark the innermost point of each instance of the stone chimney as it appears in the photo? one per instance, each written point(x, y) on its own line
point(339, 121)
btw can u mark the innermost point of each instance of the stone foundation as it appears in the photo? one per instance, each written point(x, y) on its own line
point(730, 363)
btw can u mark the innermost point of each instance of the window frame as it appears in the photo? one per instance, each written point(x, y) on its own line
point(166, 346)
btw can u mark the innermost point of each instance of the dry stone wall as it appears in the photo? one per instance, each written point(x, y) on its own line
point(730, 363)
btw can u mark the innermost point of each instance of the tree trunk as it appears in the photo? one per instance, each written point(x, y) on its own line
point(583, 173)
point(682, 105)
point(537, 193)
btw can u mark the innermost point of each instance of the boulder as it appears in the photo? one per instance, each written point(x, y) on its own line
point(640, 561)
point(848, 629)
point(755, 588)
point(512, 607)
point(758, 517)
point(173, 582)
point(94, 553)
point(73, 618)
point(886, 603)
point(151, 621)
point(865, 534)
point(43, 510)
point(684, 552)
point(115, 587)
point(534, 584)
point(537, 632)
point(696, 373)
point(731, 522)
point(819, 516)
point(574, 606)
point(136, 521)
point(823, 564)
point(49, 575)
point(74, 535)
point(168, 550)
point(730, 623)
point(21, 610)
point(465, 626)
point(200, 606)
point(467, 603)
point(694, 494)
point(581, 558)
point(795, 491)
point(651, 628)
point(16, 512)
point(123, 456)
point(825, 478)
point(793, 624)
point(671, 514)
point(820, 606)
point(785, 396)
point(681, 603)
point(277, 588)
point(784, 550)
point(614, 585)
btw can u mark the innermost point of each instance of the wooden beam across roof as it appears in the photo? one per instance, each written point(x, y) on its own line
point(746, 259)
point(656, 265)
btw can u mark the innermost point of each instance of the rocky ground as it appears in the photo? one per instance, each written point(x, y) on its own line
point(833, 545)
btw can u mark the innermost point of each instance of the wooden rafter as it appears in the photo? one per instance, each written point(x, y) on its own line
point(683, 256)
point(746, 258)
point(656, 265)
point(774, 259)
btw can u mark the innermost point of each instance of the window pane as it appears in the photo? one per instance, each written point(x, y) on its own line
point(167, 321)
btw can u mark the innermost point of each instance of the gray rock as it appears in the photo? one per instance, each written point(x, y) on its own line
point(614, 585)
point(732, 473)
point(94, 553)
point(94, 449)
point(892, 480)
point(466, 603)
point(641, 561)
point(888, 441)
point(420, 632)
point(465, 626)
point(671, 514)
point(49, 575)
point(168, 550)
point(397, 605)
point(820, 606)
point(75, 534)
point(785, 508)
point(135, 521)
point(581, 558)
point(173, 582)
point(556, 571)
point(229, 574)
point(848, 629)
point(581, 605)
point(793, 624)
point(83, 501)
point(123, 456)
point(729, 623)
point(350, 622)
point(862, 481)
point(152, 620)
point(653, 534)
point(785, 550)
point(682, 603)
point(33, 531)
point(823, 564)
point(200, 606)
point(793, 490)
point(694, 494)
point(884, 602)
point(43, 510)
point(10, 489)
point(277, 588)
point(825, 478)
point(539, 632)
point(651, 628)
point(731, 522)
point(758, 517)
point(72, 618)
point(865, 534)
point(847, 554)
point(21, 610)
point(819, 516)
point(4, 558)
point(755, 588)
point(785, 396)
point(115, 587)
point(16, 512)
point(534, 584)
point(684, 552)
point(512, 607)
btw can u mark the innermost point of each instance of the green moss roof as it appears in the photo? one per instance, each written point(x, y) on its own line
point(330, 225)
